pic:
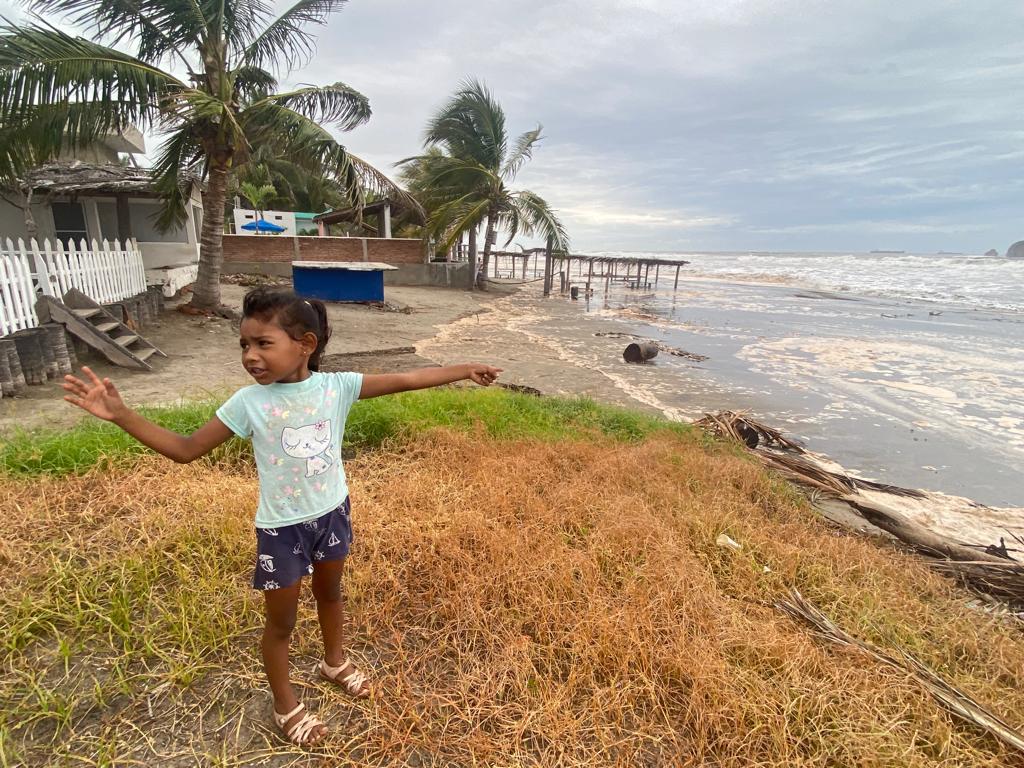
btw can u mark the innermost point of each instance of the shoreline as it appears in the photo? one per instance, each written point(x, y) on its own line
point(911, 435)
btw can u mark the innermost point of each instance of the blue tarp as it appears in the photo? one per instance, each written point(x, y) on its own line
point(262, 225)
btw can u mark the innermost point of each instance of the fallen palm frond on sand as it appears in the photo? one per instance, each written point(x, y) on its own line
point(987, 568)
point(528, 602)
point(953, 699)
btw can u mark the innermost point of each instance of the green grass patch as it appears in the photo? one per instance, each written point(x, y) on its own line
point(97, 443)
point(503, 415)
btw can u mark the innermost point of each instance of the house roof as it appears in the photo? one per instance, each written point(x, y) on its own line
point(355, 214)
point(78, 177)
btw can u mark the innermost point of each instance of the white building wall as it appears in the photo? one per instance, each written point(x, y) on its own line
point(12, 220)
point(284, 219)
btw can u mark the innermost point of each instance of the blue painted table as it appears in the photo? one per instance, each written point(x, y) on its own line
point(340, 280)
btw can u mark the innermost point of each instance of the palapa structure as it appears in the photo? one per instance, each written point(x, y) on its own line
point(633, 271)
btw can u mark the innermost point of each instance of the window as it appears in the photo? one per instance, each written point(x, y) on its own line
point(69, 221)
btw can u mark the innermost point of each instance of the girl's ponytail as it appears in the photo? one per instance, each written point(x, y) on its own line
point(323, 332)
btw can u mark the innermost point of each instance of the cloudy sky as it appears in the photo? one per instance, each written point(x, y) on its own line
point(721, 124)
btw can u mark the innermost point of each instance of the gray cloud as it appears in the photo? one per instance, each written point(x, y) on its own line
point(720, 124)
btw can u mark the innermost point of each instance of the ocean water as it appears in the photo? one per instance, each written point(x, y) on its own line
point(961, 280)
point(906, 368)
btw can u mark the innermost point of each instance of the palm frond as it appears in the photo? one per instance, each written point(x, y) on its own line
point(310, 146)
point(448, 177)
point(510, 221)
point(175, 168)
point(378, 182)
point(253, 83)
point(339, 104)
point(285, 38)
point(43, 67)
point(522, 151)
point(160, 27)
point(471, 126)
point(538, 217)
point(232, 25)
point(957, 702)
point(257, 195)
point(455, 217)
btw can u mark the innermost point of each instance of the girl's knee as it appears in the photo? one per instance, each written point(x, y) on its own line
point(279, 628)
point(328, 592)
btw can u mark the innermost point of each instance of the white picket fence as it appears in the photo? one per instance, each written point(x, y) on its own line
point(106, 273)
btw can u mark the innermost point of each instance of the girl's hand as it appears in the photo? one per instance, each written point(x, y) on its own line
point(100, 398)
point(484, 375)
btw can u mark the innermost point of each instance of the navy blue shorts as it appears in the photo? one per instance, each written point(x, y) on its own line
point(286, 554)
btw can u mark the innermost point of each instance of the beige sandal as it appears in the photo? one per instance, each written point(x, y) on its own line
point(354, 683)
point(301, 732)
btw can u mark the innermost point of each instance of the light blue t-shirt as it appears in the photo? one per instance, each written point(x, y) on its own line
point(296, 432)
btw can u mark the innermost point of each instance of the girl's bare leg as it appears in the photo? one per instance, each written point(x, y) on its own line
point(281, 607)
point(330, 608)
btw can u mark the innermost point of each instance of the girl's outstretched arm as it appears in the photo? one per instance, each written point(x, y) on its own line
point(101, 399)
point(375, 385)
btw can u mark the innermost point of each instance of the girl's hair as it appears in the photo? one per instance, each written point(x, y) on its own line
point(295, 315)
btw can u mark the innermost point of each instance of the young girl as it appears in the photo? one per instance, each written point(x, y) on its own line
point(295, 416)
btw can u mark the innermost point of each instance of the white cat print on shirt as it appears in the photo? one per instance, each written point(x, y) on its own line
point(311, 442)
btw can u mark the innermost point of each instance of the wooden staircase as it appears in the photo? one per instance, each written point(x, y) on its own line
point(98, 328)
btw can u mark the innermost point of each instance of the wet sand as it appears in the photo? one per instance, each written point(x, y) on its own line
point(908, 394)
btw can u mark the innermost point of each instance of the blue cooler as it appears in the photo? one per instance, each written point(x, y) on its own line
point(340, 280)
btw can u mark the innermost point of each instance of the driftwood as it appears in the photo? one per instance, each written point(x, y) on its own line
point(953, 699)
point(988, 569)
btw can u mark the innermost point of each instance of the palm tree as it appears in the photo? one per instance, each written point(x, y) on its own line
point(466, 182)
point(258, 197)
point(66, 91)
point(297, 188)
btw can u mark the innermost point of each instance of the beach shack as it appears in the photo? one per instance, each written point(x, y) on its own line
point(340, 280)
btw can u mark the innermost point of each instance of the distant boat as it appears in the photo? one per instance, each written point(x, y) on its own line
point(888, 251)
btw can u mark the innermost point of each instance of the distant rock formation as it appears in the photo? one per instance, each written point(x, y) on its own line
point(991, 252)
point(1016, 250)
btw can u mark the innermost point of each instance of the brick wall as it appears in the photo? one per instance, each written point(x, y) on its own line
point(254, 248)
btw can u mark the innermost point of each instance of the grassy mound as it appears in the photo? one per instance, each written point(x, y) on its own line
point(520, 597)
point(499, 413)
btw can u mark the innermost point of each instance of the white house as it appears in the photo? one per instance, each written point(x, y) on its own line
point(294, 222)
point(94, 196)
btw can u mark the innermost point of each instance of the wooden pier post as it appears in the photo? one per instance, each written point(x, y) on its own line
point(547, 268)
point(676, 286)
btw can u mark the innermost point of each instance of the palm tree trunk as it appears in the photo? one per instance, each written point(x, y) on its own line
point(31, 228)
point(488, 239)
point(206, 293)
point(472, 258)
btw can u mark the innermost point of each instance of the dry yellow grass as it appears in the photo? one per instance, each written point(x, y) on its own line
point(518, 603)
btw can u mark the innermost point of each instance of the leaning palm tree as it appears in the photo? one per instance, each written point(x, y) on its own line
point(66, 91)
point(466, 183)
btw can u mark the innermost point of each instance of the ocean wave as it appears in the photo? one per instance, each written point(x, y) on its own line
point(966, 280)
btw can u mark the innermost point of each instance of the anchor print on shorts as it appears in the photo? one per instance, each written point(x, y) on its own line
point(267, 563)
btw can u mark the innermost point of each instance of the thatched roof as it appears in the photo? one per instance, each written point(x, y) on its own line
point(77, 177)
